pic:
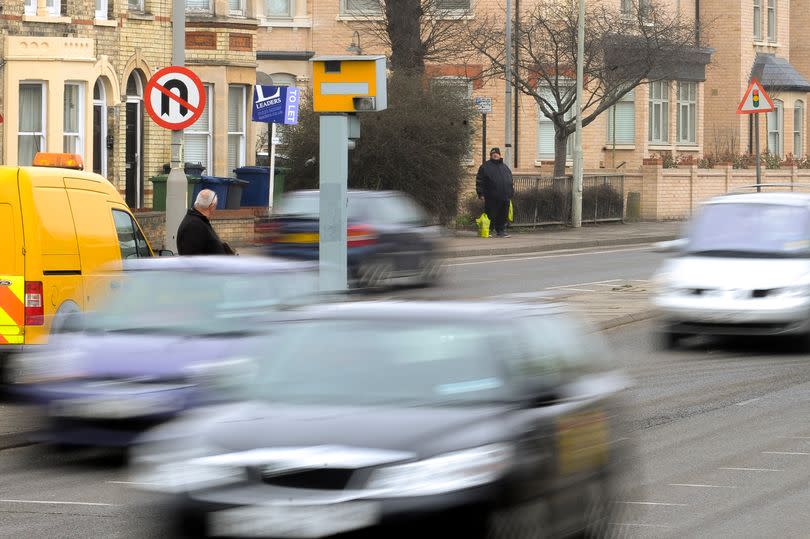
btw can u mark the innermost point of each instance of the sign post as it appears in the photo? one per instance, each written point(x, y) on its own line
point(275, 105)
point(175, 99)
point(756, 101)
point(484, 106)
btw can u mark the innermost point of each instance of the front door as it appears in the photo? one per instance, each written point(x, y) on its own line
point(134, 153)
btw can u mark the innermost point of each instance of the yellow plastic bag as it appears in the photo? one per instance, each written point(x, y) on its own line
point(511, 215)
point(483, 225)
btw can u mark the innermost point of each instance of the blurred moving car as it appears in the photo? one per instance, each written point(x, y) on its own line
point(390, 238)
point(392, 419)
point(141, 358)
point(743, 269)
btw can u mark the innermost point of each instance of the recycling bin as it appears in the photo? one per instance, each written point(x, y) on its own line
point(235, 191)
point(159, 191)
point(257, 190)
point(218, 185)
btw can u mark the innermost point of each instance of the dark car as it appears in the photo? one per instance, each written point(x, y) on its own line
point(390, 238)
point(386, 419)
point(140, 359)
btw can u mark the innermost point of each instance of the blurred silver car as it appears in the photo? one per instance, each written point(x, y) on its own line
point(742, 269)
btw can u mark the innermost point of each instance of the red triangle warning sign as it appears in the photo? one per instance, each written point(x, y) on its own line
point(755, 100)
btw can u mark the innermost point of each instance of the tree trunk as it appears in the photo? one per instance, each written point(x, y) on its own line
point(404, 27)
point(560, 151)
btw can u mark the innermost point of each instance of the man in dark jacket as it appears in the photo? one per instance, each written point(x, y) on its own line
point(494, 185)
point(195, 235)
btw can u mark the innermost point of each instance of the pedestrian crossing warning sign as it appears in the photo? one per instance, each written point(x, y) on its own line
point(755, 100)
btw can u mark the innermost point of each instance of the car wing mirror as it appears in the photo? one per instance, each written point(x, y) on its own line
point(671, 246)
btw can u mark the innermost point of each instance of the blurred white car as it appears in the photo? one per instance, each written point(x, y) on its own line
point(742, 269)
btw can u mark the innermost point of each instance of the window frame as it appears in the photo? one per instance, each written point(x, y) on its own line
point(191, 130)
point(101, 102)
point(628, 101)
point(346, 11)
point(242, 116)
point(689, 105)
point(137, 236)
point(80, 120)
point(773, 29)
point(757, 16)
point(542, 119)
point(661, 103)
point(101, 12)
point(798, 128)
point(240, 12)
point(289, 15)
point(208, 9)
point(139, 5)
point(42, 134)
point(778, 115)
point(54, 7)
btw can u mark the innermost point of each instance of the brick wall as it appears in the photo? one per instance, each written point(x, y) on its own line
point(232, 226)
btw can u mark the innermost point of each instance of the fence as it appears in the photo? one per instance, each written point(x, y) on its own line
point(547, 201)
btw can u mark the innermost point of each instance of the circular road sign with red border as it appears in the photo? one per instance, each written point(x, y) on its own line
point(175, 97)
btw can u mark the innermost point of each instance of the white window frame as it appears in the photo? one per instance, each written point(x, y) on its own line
point(438, 7)
point(54, 7)
point(101, 102)
point(135, 5)
point(195, 9)
point(242, 116)
point(79, 134)
point(758, 20)
point(43, 139)
point(276, 16)
point(773, 23)
point(687, 112)
point(776, 133)
point(628, 101)
point(542, 119)
point(240, 11)
point(101, 10)
point(345, 10)
point(194, 129)
point(798, 128)
point(658, 112)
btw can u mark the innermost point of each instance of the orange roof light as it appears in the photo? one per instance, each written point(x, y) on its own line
point(59, 160)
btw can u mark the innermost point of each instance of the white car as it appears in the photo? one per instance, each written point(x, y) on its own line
point(742, 269)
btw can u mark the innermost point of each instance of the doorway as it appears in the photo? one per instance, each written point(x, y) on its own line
point(133, 154)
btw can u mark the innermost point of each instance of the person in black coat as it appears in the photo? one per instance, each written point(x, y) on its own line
point(195, 235)
point(494, 185)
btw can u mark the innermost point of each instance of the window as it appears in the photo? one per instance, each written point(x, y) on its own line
point(54, 7)
point(659, 112)
point(72, 128)
point(135, 5)
point(278, 9)
point(798, 129)
point(197, 137)
point(772, 21)
point(758, 20)
point(360, 6)
point(687, 112)
point(545, 128)
point(776, 121)
point(31, 132)
point(622, 120)
point(236, 127)
point(99, 129)
point(453, 5)
point(101, 10)
point(236, 7)
point(130, 238)
point(200, 5)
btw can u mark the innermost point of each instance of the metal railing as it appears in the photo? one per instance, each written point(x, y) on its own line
point(547, 201)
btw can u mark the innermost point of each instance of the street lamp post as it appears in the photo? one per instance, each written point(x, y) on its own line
point(507, 106)
point(576, 211)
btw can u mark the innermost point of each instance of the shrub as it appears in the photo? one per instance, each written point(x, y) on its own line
point(601, 202)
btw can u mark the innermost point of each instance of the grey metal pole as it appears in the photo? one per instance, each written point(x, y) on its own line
point(483, 138)
point(507, 106)
point(334, 177)
point(176, 183)
point(756, 150)
point(576, 210)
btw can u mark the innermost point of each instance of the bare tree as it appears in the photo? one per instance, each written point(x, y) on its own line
point(624, 47)
point(415, 31)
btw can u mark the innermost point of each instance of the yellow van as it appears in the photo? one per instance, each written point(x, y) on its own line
point(58, 225)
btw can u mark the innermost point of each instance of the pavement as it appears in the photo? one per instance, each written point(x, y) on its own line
point(608, 304)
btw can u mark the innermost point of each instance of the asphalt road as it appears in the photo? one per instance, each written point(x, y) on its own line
point(721, 430)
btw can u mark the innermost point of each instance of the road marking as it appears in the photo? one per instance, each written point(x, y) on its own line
point(46, 502)
point(795, 437)
point(752, 469)
point(634, 525)
point(656, 503)
point(784, 453)
point(128, 483)
point(749, 401)
point(698, 485)
point(565, 254)
point(568, 287)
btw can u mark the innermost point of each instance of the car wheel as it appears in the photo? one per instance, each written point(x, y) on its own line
point(431, 274)
point(599, 510)
point(527, 521)
point(667, 340)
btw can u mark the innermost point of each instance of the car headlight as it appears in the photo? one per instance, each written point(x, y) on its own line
point(445, 473)
point(163, 468)
point(45, 366)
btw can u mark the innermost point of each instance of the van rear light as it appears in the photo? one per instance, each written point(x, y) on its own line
point(361, 236)
point(34, 306)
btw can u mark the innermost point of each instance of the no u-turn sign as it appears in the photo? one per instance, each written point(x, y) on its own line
point(175, 97)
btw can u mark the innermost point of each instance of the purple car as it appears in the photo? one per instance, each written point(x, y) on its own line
point(159, 346)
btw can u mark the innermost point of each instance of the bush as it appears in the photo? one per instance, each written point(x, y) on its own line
point(545, 205)
point(601, 202)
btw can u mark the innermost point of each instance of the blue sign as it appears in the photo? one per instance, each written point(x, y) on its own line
point(276, 104)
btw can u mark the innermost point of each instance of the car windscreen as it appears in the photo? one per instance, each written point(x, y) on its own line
point(398, 209)
point(308, 205)
point(751, 230)
point(354, 362)
point(195, 303)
